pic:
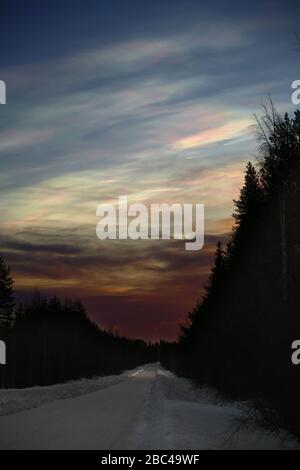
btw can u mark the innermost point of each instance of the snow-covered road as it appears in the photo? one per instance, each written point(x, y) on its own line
point(148, 408)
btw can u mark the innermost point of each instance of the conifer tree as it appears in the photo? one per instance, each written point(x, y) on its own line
point(250, 196)
point(6, 295)
point(217, 269)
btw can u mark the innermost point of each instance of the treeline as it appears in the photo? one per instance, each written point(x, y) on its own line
point(239, 335)
point(51, 341)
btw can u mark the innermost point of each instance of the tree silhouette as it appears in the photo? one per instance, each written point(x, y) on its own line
point(6, 295)
point(251, 197)
point(240, 333)
point(52, 341)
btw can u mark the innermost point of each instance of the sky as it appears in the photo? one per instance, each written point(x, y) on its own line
point(153, 100)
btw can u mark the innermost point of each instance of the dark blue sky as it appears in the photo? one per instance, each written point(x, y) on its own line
point(36, 30)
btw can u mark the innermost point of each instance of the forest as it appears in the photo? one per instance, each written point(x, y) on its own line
point(51, 341)
point(239, 335)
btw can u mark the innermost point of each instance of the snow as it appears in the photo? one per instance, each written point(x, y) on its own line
point(16, 400)
point(147, 408)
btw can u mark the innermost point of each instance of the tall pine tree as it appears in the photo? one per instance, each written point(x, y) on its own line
point(251, 196)
point(6, 295)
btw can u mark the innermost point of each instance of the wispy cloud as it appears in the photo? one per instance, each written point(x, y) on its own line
point(159, 117)
point(229, 130)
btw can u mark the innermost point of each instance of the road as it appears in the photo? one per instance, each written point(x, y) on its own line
point(148, 408)
point(107, 419)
